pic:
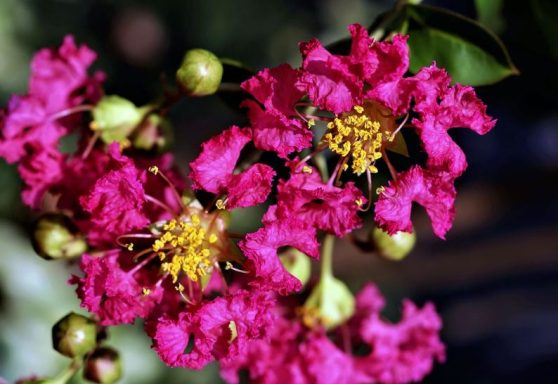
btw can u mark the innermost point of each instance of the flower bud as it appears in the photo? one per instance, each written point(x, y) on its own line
point(331, 303)
point(115, 118)
point(155, 132)
point(103, 366)
point(393, 247)
point(56, 237)
point(297, 263)
point(74, 335)
point(200, 73)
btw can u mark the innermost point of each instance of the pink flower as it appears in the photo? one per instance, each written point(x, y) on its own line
point(393, 353)
point(305, 198)
point(399, 353)
point(274, 128)
point(57, 75)
point(218, 329)
point(214, 168)
point(116, 201)
point(261, 248)
point(433, 190)
point(113, 290)
point(336, 83)
point(38, 173)
point(59, 81)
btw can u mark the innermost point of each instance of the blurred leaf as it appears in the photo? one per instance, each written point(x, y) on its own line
point(489, 14)
point(546, 14)
point(234, 73)
point(471, 53)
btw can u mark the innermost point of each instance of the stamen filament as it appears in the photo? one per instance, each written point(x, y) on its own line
point(71, 111)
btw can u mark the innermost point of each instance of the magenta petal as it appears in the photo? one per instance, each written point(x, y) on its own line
point(213, 168)
point(261, 248)
point(433, 190)
point(250, 187)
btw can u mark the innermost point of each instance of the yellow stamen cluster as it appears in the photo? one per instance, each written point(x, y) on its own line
point(355, 133)
point(183, 247)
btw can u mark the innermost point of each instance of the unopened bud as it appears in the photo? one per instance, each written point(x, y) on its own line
point(393, 247)
point(56, 237)
point(115, 118)
point(74, 335)
point(155, 132)
point(297, 263)
point(103, 366)
point(200, 73)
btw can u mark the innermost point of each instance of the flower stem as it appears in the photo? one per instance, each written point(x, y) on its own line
point(64, 376)
point(326, 258)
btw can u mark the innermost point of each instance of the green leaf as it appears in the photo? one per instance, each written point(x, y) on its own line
point(471, 53)
point(489, 14)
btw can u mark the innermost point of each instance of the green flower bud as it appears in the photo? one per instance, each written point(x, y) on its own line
point(200, 73)
point(154, 133)
point(115, 118)
point(56, 237)
point(74, 335)
point(331, 303)
point(103, 366)
point(297, 263)
point(394, 247)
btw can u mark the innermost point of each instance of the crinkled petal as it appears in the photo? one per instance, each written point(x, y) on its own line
point(111, 292)
point(305, 198)
point(39, 172)
point(261, 248)
point(116, 201)
point(275, 132)
point(213, 168)
point(328, 79)
point(250, 187)
point(275, 89)
point(433, 190)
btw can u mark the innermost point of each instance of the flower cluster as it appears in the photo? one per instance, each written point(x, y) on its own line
point(204, 293)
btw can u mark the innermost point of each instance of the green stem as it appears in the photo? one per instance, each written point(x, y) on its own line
point(64, 376)
point(326, 258)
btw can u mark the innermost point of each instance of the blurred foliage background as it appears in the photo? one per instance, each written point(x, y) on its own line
point(495, 279)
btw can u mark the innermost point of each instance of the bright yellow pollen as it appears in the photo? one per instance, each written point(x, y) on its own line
point(130, 247)
point(220, 204)
point(358, 202)
point(146, 291)
point(153, 169)
point(379, 190)
point(311, 123)
point(356, 134)
point(306, 169)
point(183, 248)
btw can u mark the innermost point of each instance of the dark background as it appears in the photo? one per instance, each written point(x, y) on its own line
point(495, 278)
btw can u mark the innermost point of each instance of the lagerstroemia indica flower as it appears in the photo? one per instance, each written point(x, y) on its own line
point(369, 100)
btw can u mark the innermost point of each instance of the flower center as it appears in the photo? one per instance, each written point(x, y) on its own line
point(357, 134)
point(184, 247)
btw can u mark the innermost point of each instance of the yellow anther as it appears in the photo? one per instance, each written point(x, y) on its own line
point(213, 238)
point(311, 123)
point(307, 169)
point(93, 125)
point(154, 169)
point(130, 247)
point(373, 169)
point(356, 134)
point(146, 291)
point(220, 204)
point(228, 265)
point(379, 190)
point(359, 202)
point(195, 220)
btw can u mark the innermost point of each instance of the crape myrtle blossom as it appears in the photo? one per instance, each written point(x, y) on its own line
point(369, 101)
point(214, 167)
point(34, 123)
point(366, 349)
